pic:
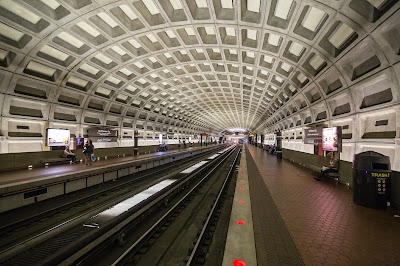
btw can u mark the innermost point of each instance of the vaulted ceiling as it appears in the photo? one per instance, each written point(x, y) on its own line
point(213, 65)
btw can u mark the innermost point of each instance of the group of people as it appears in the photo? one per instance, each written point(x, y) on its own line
point(88, 151)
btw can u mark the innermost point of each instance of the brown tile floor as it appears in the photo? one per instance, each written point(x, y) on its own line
point(325, 225)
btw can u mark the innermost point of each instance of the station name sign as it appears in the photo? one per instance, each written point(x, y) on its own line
point(102, 135)
point(313, 133)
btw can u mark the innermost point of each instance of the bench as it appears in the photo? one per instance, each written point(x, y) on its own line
point(53, 161)
point(334, 172)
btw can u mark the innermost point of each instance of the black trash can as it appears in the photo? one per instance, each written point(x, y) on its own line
point(371, 179)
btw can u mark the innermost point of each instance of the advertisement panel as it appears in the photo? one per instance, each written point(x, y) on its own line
point(58, 137)
point(331, 139)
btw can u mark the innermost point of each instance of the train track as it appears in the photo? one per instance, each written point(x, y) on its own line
point(180, 234)
point(20, 232)
point(61, 240)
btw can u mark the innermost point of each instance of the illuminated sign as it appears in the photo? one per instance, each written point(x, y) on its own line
point(380, 174)
point(331, 139)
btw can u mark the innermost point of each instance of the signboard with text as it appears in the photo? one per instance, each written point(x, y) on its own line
point(102, 135)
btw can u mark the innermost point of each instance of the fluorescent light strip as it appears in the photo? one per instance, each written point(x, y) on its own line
point(282, 8)
point(128, 12)
point(313, 19)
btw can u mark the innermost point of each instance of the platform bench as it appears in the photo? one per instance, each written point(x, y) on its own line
point(53, 161)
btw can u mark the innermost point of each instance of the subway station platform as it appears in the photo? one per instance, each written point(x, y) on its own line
point(300, 221)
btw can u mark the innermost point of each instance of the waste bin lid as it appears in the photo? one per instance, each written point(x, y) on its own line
point(370, 160)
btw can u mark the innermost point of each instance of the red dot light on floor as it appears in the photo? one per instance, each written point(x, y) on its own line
point(242, 181)
point(241, 222)
point(239, 263)
point(242, 189)
point(241, 201)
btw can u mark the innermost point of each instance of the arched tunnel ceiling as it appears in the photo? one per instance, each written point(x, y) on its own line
point(213, 65)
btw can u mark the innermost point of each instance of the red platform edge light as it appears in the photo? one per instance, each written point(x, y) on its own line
point(239, 263)
point(242, 189)
point(240, 222)
point(242, 180)
point(241, 201)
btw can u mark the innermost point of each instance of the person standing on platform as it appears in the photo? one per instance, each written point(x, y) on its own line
point(88, 150)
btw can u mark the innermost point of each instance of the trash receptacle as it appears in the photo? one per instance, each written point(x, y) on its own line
point(371, 179)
